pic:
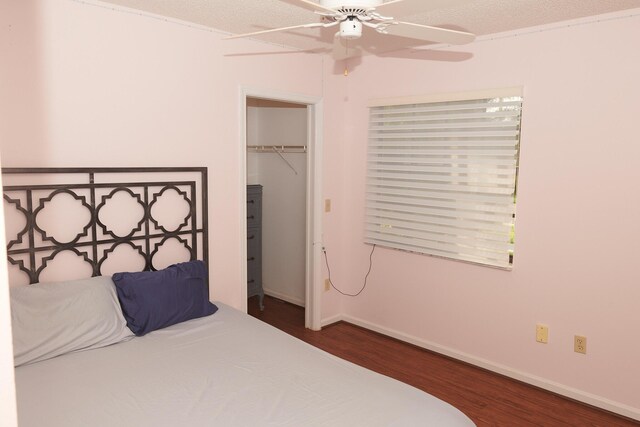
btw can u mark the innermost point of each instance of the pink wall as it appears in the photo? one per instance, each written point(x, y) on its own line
point(578, 214)
point(88, 85)
point(7, 391)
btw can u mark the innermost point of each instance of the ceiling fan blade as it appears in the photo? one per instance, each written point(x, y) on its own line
point(309, 5)
point(398, 8)
point(274, 30)
point(429, 34)
point(342, 49)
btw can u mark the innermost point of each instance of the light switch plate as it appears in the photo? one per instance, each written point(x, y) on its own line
point(542, 333)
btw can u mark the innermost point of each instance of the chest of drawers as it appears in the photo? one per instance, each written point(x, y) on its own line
point(254, 243)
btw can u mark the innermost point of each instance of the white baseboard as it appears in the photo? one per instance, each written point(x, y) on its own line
point(331, 320)
point(563, 390)
point(283, 297)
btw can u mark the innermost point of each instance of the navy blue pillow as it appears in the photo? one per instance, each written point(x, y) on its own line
point(153, 300)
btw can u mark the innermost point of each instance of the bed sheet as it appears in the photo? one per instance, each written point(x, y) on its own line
point(228, 369)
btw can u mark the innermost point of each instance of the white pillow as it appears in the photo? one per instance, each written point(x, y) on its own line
point(51, 319)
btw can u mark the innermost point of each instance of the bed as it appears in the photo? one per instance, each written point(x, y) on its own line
point(221, 368)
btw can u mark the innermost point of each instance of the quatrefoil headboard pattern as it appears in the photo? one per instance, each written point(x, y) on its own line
point(67, 223)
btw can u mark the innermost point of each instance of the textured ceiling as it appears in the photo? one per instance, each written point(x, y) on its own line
point(480, 17)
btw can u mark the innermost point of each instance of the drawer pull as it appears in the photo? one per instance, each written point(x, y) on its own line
point(251, 259)
point(251, 201)
point(251, 217)
point(253, 236)
point(251, 281)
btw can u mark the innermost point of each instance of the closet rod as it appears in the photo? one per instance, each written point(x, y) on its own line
point(280, 148)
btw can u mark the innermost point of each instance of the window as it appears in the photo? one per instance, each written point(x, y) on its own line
point(441, 175)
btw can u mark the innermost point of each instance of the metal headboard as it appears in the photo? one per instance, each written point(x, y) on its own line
point(32, 248)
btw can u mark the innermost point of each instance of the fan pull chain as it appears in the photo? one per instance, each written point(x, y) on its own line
point(346, 61)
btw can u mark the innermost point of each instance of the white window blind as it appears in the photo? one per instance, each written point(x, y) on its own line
point(441, 177)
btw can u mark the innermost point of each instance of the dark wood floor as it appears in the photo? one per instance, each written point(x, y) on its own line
point(487, 398)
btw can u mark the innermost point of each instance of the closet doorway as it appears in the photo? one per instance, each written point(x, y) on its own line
point(281, 154)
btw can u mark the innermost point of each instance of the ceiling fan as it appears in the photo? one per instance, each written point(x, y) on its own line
point(351, 16)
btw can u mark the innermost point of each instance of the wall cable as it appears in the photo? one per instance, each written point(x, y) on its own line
point(326, 259)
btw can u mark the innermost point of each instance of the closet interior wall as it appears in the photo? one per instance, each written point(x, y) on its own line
point(271, 123)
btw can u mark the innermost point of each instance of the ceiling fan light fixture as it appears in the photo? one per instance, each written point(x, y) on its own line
point(352, 15)
point(351, 28)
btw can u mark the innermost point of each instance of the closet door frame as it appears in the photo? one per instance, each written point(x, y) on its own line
point(313, 256)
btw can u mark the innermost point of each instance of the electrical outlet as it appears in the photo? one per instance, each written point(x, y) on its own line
point(327, 205)
point(580, 344)
point(542, 333)
point(327, 285)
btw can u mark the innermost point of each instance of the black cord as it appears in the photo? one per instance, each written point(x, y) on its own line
point(326, 259)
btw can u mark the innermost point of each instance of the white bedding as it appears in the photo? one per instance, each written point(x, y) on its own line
point(223, 370)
